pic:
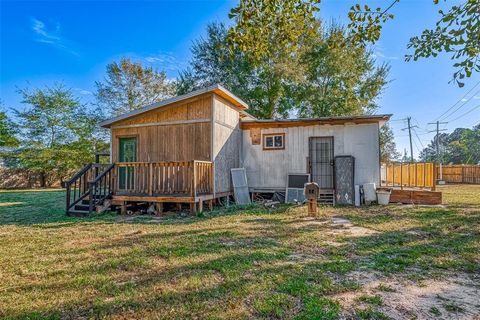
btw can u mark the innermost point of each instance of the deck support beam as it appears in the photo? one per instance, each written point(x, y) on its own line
point(159, 207)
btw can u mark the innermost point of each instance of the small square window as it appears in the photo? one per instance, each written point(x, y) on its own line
point(274, 141)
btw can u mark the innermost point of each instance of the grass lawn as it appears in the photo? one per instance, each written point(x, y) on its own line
point(401, 262)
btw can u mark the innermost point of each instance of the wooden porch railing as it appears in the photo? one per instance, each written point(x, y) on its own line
point(78, 186)
point(416, 174)
point(164, 178)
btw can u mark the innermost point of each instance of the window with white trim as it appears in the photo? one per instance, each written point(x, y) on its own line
point(273, 141)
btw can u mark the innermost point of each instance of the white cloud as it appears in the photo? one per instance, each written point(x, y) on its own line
point(476, 97)
point(51, 36)
point(83, 91)
point(165, 61)
point(464, 99)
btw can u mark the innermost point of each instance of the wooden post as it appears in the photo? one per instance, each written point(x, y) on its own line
point(194, 180)
point(193, 208)
point(179, 206)
point(401, 176)
point(434, 176)
point(123, 208)
point(200, 206)
point(150, 179)
point(312, 208)
point(210, 205)
point(393, 174)
point(159, 206)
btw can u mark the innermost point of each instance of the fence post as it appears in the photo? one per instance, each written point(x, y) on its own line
point(401, 176)
point(393, 174)
point(434, 176)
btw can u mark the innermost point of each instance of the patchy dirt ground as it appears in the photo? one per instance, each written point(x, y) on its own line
point(451, 296)
point(393, 262)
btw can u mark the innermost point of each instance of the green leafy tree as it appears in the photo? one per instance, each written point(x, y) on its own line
point(388, 148)
point(129, 86)
point(59, 134)
point(462, 146)
point(341, 77)
point(456, 32)
point(270, 34)
point(8, 131)
point(334, 78)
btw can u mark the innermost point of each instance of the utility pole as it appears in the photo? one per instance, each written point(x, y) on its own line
point(437, 144)
point(410, 136)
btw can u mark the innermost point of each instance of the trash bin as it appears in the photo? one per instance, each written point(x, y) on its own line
point(383, 196)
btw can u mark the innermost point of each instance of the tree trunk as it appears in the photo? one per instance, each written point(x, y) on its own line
point(42, 179)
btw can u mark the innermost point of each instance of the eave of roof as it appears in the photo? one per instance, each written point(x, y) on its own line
point(285, 123)
point(218, 89)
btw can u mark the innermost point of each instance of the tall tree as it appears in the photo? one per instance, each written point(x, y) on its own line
point(456, 32)
point(335, 77)
point(462, 146)
point(58, 133)
point(341, 77)
point(130, 85)
point(8, 131)
point(270, 34)
point(388, 148)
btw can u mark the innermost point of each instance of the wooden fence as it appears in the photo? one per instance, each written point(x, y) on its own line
point(459, 173)
point(417, 175)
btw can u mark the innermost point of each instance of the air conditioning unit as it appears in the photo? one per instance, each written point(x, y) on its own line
point(295, 185)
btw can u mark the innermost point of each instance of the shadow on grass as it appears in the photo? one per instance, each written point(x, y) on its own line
point(198, 272)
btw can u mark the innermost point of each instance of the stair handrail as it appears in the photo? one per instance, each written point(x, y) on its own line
point(97, 194)
point(79, 174)
point(68, 186)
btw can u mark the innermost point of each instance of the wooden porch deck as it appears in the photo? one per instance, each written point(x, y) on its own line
point(160, 182)
point(190, 182)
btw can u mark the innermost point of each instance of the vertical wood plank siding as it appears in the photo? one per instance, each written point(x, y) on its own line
point(171, 142)
point(227, 141)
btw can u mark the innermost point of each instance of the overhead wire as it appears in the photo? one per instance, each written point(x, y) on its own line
point(461, 116)
point(460, 106)
point(459, 100)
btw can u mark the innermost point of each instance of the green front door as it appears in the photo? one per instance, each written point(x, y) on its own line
point(127, 153)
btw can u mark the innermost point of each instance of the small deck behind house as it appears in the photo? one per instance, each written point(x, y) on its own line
point(97, 187)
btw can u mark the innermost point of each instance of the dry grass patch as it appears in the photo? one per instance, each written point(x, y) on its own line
point(240, 263)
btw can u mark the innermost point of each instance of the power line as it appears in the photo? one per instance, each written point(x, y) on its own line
point(419, 140)
point(465, 113)
point(460, 106)
point(460, 100)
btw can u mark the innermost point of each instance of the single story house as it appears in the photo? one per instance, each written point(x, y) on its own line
point(182, 150)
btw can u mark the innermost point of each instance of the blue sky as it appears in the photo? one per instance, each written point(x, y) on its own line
point(68, 41)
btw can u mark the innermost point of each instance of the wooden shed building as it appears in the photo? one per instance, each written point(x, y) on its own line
point(182, 150)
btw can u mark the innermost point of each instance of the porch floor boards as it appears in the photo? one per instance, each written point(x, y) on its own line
point(195, 202)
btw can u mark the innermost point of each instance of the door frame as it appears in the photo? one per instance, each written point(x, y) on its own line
point(118, 137)
point(130, 136)
point(310, 169)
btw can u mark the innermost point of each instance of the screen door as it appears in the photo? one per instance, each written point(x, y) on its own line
point(321, 161)
point(127, 153)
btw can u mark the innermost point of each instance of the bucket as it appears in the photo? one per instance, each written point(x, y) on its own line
point(383, 197)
